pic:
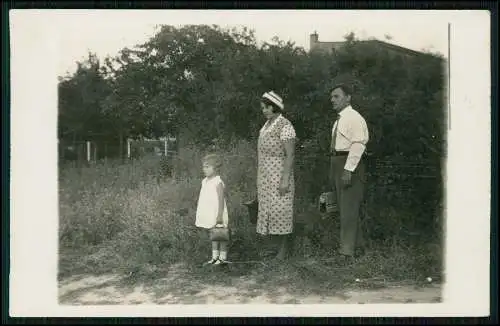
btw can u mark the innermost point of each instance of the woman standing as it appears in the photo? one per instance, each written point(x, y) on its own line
point(275, 179)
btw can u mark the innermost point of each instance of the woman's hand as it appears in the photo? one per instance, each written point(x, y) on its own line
point(284, 186)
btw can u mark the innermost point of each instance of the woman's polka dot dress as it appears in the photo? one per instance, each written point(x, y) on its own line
point(275, 214)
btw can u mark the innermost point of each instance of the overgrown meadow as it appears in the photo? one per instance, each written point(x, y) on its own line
point(128, 217)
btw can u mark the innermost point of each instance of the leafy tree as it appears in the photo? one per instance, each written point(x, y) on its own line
point(80, 102)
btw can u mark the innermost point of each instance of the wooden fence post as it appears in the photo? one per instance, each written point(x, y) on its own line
point(88, 151)
point(128, 148)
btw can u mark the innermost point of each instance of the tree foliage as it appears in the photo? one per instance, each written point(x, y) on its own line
point(204, 82)
point(81, 102)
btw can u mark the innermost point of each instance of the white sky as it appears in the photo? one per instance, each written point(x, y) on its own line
point(106, 32)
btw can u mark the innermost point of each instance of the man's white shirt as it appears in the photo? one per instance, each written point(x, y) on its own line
point(352, 136)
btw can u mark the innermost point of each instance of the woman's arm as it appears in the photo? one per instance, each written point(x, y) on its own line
point(288, 137)
point(289, 159)
point(220, 197)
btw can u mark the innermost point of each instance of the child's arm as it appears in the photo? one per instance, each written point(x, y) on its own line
point(220, 196)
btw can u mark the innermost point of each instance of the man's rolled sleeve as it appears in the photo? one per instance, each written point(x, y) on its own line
point(358, 134)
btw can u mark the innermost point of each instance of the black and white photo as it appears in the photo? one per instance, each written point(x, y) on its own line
point(272, 158)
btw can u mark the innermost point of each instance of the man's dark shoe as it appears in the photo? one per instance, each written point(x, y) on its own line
point(360, 252)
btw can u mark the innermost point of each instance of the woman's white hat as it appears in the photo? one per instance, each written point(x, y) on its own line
point(275, 98)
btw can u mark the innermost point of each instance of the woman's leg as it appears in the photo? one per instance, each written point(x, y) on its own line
point(284, 246)
point(297, 238)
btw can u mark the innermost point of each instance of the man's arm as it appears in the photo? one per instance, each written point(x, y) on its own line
point(358, 134)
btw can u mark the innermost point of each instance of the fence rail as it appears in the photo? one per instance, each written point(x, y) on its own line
point(93, 151)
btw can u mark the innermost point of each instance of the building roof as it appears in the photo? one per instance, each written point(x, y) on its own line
point(394, 47)
point(315, 44)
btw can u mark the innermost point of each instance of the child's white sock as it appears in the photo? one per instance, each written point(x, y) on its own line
point(215, 254)
point(223, 255)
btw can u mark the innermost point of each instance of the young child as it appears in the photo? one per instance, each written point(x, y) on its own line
point(212, 208)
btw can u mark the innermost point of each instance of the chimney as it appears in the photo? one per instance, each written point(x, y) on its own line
point(313, 39)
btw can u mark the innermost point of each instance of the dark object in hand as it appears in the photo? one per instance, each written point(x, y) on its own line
point(322, 207)
point(253, 208)
point(219, 233)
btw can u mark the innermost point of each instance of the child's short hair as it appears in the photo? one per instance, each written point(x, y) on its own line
point(213, 159)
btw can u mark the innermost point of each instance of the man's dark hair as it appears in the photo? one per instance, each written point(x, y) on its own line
point(345, 88)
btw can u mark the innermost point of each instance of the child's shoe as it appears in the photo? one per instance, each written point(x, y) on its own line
point(212, 261)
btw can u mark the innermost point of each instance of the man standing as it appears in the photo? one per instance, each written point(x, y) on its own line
point(347, 170)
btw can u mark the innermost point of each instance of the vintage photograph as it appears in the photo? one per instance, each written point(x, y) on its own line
point(251, 158)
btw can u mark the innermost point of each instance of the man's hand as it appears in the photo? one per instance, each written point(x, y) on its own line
point(346, 178)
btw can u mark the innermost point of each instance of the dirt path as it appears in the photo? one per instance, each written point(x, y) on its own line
point(176, 286)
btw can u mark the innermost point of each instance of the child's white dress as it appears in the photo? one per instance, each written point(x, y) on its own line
point(206, 213)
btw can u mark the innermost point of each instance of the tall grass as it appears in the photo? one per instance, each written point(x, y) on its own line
point(129, 217)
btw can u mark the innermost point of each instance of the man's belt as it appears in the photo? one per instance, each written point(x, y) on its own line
point(339, 153)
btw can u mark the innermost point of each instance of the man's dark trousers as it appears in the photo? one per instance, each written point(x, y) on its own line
point(349, 200)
